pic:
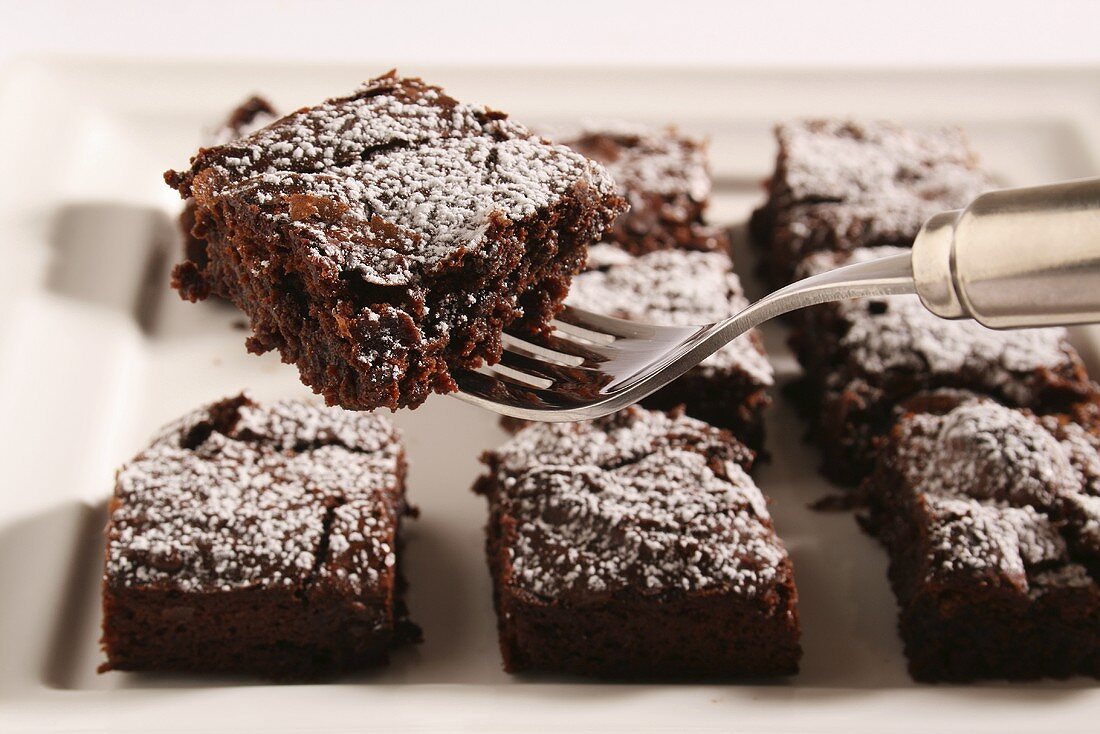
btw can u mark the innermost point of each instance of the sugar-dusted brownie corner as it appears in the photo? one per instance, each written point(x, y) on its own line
point(249, 116)
point(991, 516)
point(258, 539)
point(636, 546)
point(841, 184)
point(382, 239)
point(677, 288)
point(862, 357)
point(664, 176)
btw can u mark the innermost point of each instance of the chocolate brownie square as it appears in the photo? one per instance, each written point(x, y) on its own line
point(991, 516)
point(676, 288)
point(247, 117)
point(841, 184)
point(258, 539)
point(862, 357)
point(636, 546)
point(664, 176)
point(382, 239)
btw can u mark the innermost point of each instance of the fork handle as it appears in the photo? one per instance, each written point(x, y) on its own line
point(1015, 258)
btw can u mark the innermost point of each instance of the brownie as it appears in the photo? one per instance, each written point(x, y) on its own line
point(991, 517)
point(665, 178)
point(382, 239)
point(862, 357)
point(677, 288)
point(636, 546)
point(249, 116)
point(841, 184)
point(258, 539)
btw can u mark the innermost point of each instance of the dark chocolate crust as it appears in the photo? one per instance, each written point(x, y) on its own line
point(664, 176)
point(990, 517)
point(382, 239)
point(840, 184)
point(258, 539)
point(636, 546)
point(861, 358)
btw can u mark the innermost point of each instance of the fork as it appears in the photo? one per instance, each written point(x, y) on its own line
point(1014, 258)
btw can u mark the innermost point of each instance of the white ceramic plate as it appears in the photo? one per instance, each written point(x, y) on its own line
point(96, 353)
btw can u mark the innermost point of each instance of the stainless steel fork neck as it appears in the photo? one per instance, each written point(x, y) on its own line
point(1014, 258)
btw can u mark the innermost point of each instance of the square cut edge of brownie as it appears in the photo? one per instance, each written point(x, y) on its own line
point(381, 240)
point(258, 539)
point(636, 547)
point(989, 516)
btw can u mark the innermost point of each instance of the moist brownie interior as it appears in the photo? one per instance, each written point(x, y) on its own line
point(380, 240)
point(247, 117)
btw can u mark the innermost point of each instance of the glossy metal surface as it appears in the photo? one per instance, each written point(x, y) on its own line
point(1015, 258)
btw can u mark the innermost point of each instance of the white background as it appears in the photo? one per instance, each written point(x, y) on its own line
point(761, 32)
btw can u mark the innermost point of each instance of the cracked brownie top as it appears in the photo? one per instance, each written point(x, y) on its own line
point(395, 179)
point(880, 336)
point(238, 495)
point(1001, 491)
point(641, 501)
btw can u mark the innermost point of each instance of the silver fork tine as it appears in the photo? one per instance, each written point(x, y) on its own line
point(556, 374)
point(487, 390)
point(545, 352)
point(624, 361)
point(608, 326)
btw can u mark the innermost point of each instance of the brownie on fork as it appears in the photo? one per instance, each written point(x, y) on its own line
point(862, 357)
point(841, 184)
point(247, 117)
point(258, 539)
point(636, 546)
point(382, 239)
point(678, 288)
point(991, 516)
point(664, 176)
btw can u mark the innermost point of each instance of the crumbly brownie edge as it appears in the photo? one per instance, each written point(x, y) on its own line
point(325, 333)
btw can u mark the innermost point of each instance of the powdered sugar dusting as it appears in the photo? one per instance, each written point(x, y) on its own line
point(671, 288)
point(640, 501)
point(842, 184)
point(899, 333)
point(1002, 494)
point(240, 495)
point(401, 153)
point(641, 159)
point(877, 165)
